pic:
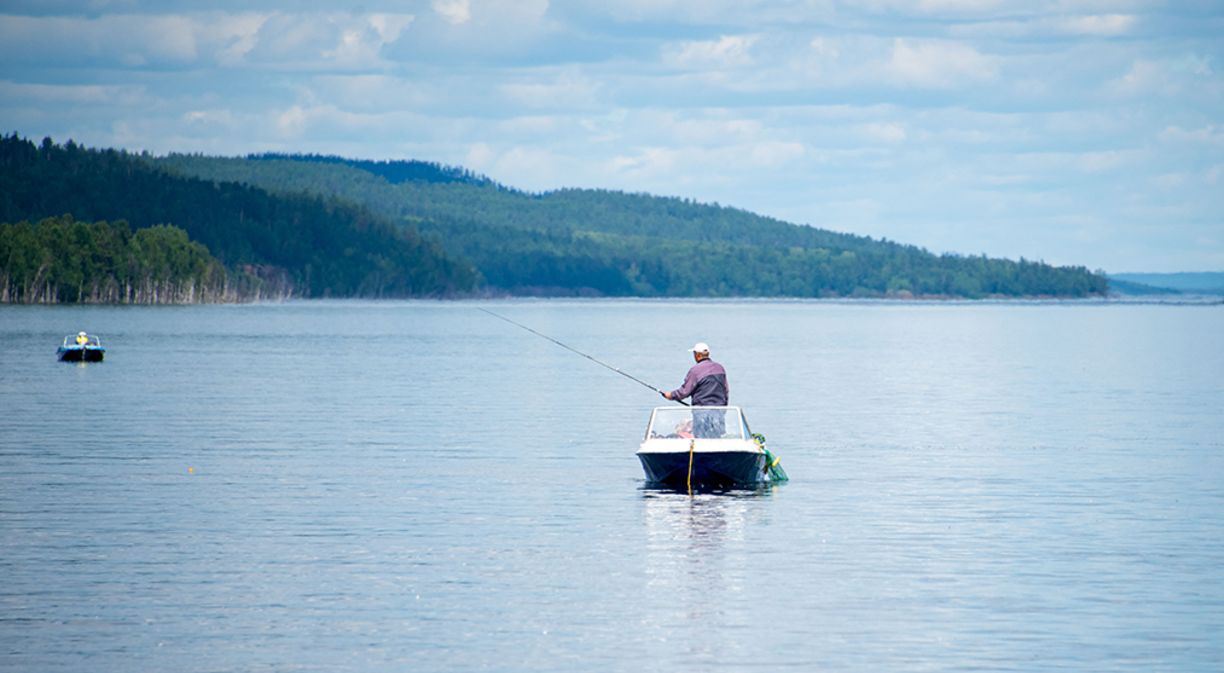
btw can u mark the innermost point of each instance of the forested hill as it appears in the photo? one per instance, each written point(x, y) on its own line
point(320, 245)
point(391, 171)
point(579, 241)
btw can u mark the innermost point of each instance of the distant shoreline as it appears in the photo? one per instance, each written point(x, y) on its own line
point(1153, 300)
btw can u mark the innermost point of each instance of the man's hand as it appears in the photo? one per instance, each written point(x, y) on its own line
point(666, 396)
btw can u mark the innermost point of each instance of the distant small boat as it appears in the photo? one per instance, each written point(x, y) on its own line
point(705, 447)
point(81, 347)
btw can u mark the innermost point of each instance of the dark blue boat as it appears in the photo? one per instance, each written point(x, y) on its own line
point(81, 348)
point(705, 448)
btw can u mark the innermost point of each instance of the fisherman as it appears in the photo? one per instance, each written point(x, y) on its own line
point(82, 339)
point(706, 383)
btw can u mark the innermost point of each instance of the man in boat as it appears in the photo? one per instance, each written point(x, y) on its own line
point(706, 383)
point(82, 339)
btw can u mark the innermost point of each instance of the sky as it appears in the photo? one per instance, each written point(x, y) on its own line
point(1085, 132)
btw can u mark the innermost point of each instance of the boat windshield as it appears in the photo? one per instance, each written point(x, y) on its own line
point(90, 340)
point(697, 423)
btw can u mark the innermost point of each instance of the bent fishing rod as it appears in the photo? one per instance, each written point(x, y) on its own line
point(575, 350)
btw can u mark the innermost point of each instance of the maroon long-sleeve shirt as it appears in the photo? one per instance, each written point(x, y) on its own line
point(707, 383)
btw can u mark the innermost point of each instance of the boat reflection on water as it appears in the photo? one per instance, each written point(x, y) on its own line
point(701, 561)
point(704, 516)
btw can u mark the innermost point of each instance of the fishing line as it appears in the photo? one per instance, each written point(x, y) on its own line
point(575, 350)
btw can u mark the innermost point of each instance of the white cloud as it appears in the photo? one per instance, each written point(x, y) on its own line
point(131, 40)
point(697, 170)
point(645, 162)
point(209, 117)
point(959, 9)
point(1169, 181)
point(238, 36)
point(1144, 78)
point(938, 64)
point(389, 26)
point(888, 132)
point(699, 127)
point(74, 94)
point(775, 154)
point(705, 12)
point(370, 92)
point(533, 167)
point(958, 6)
point(291, 122)
point(825, 47)
point(1097, 24)
point(139, 41)
point(454, 12)
point(1042, 26)
point(1004, 179)
point(1208, 135)
point(995, 10)
point(495, 33)
point(567, 89)
point(728, 51)
point(479, 157)
point(1070, 166)
point(530, 125)
point(1096, 162)
point(326, 41)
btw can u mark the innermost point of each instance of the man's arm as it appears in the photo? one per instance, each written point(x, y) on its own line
point(686, 388)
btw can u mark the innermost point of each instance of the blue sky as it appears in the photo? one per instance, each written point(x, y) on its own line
point(1074, 131)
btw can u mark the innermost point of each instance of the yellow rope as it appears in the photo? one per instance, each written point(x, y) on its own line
point(692, 443)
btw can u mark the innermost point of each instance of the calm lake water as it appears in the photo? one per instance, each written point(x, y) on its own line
point(417, 486)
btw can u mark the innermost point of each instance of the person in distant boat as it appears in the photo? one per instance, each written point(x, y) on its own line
point(82, 339)
point(706, 383)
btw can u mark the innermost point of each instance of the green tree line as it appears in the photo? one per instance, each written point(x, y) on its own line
point(61, 260)
point(322, 246)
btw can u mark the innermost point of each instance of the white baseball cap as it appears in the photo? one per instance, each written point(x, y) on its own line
point(701, 347)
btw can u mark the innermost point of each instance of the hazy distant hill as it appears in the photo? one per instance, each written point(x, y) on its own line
point(579, 241)
point(311, 245)
point(1188, 282)
point(1132, 289)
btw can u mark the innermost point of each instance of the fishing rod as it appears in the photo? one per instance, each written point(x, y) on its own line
point(575, 350)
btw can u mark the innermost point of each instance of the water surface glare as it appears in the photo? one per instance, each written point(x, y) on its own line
point(395, 486)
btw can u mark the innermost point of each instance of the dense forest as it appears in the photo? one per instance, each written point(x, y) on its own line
point(391, 171)
point(599, 242)
point(307, 245)
point(60, 260)
point(316, 226)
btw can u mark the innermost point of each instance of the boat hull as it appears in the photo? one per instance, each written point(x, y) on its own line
point(710, 469)
point(81, 354)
